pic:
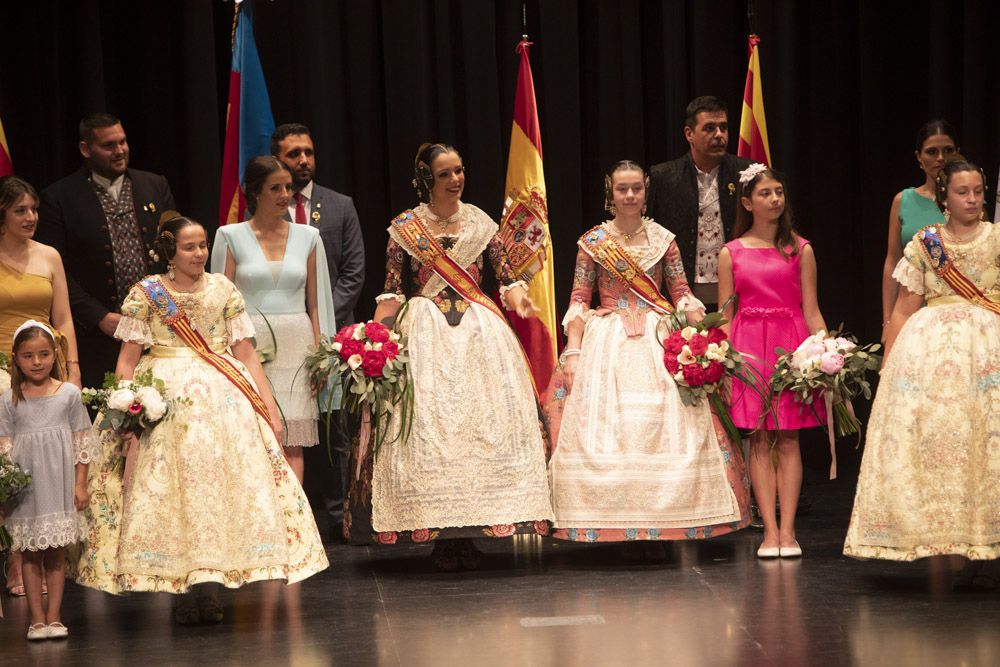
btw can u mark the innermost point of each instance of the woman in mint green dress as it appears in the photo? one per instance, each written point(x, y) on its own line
point(914, 208)
point(280, 268)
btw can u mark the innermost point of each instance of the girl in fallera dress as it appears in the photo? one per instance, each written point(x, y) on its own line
point(771, 270)
point(212, 499)
point(45, 428)
point(915, 208)
point(928, 484)
point(631, 461)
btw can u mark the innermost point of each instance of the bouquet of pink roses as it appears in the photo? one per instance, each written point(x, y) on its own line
point(830, 365)
point(700, 358)
point(370, 359)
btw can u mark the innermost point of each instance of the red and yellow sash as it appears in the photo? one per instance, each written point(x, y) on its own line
point(933, 245)
point(177, 321)
point(421, 244)
point(605, 251)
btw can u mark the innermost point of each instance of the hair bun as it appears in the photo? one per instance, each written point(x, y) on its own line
point(166, 217)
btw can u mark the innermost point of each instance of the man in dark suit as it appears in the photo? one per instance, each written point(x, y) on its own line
point(337, 220)
point(695, 196)
point(102, 219)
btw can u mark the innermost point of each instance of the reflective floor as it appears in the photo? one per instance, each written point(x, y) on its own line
point(538, 602)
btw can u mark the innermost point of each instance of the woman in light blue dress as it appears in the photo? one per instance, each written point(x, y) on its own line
point(280, 268)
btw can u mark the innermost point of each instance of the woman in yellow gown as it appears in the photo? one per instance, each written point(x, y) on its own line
point(32, 287)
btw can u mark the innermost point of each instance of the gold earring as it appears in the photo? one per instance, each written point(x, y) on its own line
point(170, 270)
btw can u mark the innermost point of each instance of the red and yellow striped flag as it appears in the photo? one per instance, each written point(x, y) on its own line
point(753, 127)
point(6, 166)
point(524, 227)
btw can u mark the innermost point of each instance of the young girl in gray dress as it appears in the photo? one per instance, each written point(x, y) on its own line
point(43, 425)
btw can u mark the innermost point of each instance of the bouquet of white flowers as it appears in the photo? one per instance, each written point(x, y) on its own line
point(130, 406)
point(13, 480)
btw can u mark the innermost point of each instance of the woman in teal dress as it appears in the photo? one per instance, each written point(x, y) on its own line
point(914, 208)
point(280, 268)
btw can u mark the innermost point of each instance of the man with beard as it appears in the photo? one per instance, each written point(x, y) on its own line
point(695, 196)
point(337, 220)
point(102, 219)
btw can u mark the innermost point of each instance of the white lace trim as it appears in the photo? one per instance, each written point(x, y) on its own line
point(690, 302)
point(909, 276)
point(132, 330)
point(6, 444)
point(575, 310)
point(45, 532)
point(475, 233)
point(301, 433)
point(506, 288)
point(83, 446)
point(390, 296)
point(240, 328)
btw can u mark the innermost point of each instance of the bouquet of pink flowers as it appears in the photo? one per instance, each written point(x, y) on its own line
point(700, 358)
point(831, 366)
point(370, 359)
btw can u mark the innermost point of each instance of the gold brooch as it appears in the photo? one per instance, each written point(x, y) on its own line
point(315, 216)
point(732, 189)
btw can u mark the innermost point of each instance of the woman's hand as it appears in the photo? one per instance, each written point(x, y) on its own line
point(694, 316)
point(569, 370)
point(517, 297)
point(80, 496)
point(277, 425)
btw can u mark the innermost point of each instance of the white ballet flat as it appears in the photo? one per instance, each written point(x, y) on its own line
point(768, 552)
point(790, 552)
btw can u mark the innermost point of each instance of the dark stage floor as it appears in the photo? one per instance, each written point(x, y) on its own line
point(543, 603)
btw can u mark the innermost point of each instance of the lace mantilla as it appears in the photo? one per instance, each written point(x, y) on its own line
point(909, 276)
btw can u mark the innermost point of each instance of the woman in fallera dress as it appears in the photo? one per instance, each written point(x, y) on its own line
point(631, 461)
point(928, 484)
point(211, 498)
point(474, 463)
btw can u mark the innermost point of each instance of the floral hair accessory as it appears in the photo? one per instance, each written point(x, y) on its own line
point(751, 172)
point(33, 324)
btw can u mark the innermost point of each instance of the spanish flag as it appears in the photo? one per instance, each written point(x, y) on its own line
point(249, 123)
point(753, 126)
point(524, 227)
point(6, 166)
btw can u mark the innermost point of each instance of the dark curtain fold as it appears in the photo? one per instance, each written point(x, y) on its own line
point(846, 85)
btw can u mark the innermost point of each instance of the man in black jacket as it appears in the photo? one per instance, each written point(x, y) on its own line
point(102, 219)
point(695, 195)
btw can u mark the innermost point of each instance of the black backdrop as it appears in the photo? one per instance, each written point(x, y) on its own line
point(846, 84)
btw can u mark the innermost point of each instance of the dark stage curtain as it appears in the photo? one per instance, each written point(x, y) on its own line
point(846, 85)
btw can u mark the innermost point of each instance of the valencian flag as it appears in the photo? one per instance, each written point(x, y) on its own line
point(249, 122)
point(6, 166)
point(753, 127)
point(524, 227)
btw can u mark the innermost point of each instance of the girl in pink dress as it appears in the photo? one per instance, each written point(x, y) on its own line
point(772, 272)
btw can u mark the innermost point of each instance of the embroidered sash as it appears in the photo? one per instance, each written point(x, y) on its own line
point(428, 251)
point(605, 251)
point(933, 245)
point(177, 321)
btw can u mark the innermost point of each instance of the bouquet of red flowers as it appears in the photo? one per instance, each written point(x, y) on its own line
point(700, 359)
point(370, 360)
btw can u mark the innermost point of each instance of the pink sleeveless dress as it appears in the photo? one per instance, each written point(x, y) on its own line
point(769, 315)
